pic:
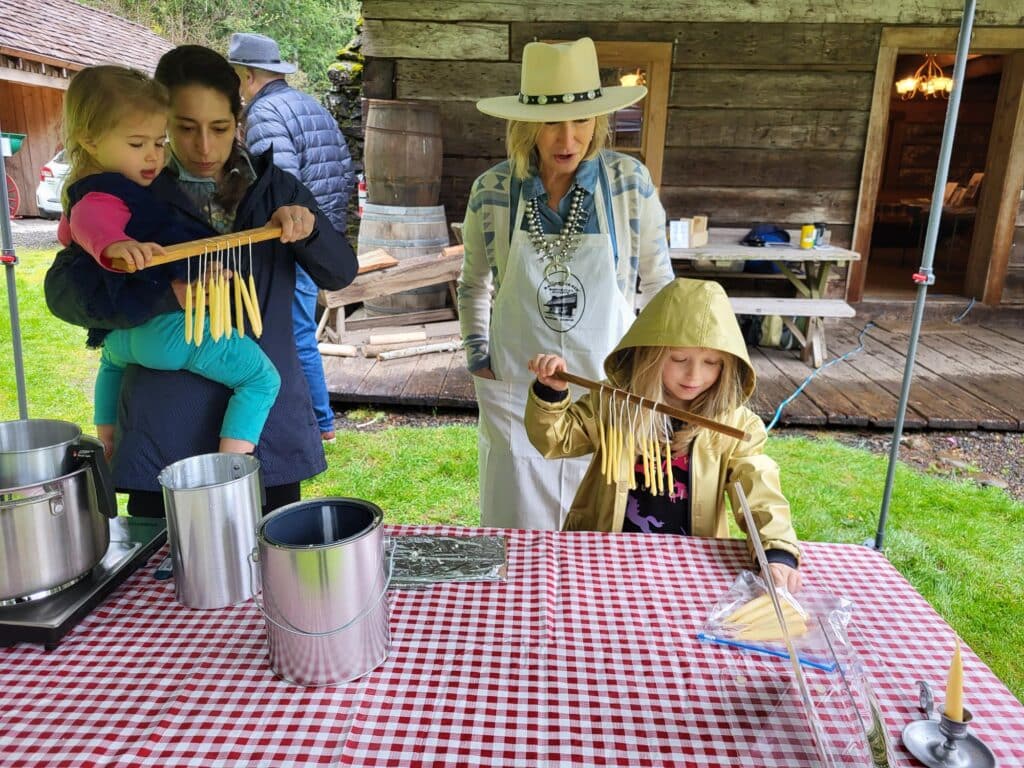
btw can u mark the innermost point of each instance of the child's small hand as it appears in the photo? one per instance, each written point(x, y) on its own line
point(784, 576)
point(546, 366)
point(105, 433)
point(138, 255)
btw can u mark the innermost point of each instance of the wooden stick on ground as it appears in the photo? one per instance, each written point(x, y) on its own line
point(422, 349)
point(374, 350)
point(338, 350)
point(206, 245)
point(668, 410)
point(397, 337)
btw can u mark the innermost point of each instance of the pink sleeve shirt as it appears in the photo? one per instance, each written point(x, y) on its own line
point(97, 220)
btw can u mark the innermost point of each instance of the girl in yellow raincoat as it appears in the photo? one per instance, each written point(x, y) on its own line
point(686, 350)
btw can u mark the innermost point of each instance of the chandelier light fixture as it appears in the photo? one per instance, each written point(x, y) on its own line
point(929, 81)
point(634, 78)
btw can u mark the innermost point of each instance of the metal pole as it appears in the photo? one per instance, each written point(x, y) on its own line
point(925, 276)
point(9, 259)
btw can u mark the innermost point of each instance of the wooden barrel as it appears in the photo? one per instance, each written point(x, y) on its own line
point(405, 232)
point(402, 154)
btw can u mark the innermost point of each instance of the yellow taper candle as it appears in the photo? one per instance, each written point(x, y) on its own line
point(955, 687)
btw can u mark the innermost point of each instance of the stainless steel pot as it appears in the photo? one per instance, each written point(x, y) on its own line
point(39, 450)
point(51, 535)
point(55, 497)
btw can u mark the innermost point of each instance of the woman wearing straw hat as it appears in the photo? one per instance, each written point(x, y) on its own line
point(558, 234)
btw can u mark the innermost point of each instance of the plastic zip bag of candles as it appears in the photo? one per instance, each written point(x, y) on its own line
point(818, 679)
point(744, 617)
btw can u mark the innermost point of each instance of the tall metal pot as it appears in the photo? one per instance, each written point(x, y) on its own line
point(213, 504)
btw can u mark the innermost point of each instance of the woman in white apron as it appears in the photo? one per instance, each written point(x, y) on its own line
point(556, 238)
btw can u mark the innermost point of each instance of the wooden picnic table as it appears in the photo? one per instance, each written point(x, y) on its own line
point(808, 270)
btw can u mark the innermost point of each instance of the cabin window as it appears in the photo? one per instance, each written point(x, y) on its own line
point(639, 130)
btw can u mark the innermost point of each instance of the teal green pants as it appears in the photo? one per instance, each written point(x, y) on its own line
point(237, 363)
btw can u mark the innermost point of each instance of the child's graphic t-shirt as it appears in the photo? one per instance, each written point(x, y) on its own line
point(664, 513)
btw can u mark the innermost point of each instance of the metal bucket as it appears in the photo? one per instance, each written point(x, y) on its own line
point(325, 584)
point(213, 505)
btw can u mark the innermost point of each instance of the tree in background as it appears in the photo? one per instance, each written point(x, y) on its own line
point(309, 32)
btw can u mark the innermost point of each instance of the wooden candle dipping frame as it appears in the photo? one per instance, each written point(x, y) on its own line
point(622, 434)
point(197, 299)
point(206, 245)
point(668, 410)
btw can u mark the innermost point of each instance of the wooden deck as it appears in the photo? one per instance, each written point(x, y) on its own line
point(967, 376)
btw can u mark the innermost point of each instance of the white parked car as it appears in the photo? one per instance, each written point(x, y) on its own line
point(51, 182)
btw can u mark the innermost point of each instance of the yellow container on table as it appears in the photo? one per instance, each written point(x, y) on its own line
point(807, 236)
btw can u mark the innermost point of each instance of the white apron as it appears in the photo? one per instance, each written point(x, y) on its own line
point(581, 317)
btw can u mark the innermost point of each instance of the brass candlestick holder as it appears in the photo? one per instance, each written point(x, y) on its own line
point(941, 742)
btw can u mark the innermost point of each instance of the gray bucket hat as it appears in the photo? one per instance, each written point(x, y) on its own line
point(247, 49)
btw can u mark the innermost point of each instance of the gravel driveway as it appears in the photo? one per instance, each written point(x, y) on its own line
point(34, 233)
point(986, 458)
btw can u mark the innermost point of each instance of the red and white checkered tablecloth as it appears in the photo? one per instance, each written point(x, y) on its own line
point(585, 655)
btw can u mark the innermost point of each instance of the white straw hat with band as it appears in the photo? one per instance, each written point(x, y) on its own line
point(561, 81)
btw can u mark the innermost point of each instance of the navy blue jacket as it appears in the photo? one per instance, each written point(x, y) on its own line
point(165, 416)
point(151, 220)
point(306, 143)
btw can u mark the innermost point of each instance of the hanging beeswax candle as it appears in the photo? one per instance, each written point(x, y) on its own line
point(216, 316)
point(188, 313)
point(239, 310)
point(200, 321)
point(256, 320)
point(225, 304)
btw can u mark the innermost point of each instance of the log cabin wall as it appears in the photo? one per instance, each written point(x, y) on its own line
point(1013, 291)
point(36, 112)
point(768, 107)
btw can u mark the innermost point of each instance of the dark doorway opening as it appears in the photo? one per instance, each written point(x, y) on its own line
point(908, 175)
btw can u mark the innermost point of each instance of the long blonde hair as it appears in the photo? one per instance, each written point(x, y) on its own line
point(97, 99)
point(521, 143)
point(644, 378)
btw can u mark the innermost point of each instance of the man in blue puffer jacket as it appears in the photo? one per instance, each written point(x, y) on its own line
point(307, 144)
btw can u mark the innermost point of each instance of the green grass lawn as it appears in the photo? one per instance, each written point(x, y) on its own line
point(960, 545)
point(59, 369)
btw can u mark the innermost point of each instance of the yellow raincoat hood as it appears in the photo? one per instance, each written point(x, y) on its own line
point(686, 313)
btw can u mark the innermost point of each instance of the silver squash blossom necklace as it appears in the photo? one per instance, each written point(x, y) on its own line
point(558, 251)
